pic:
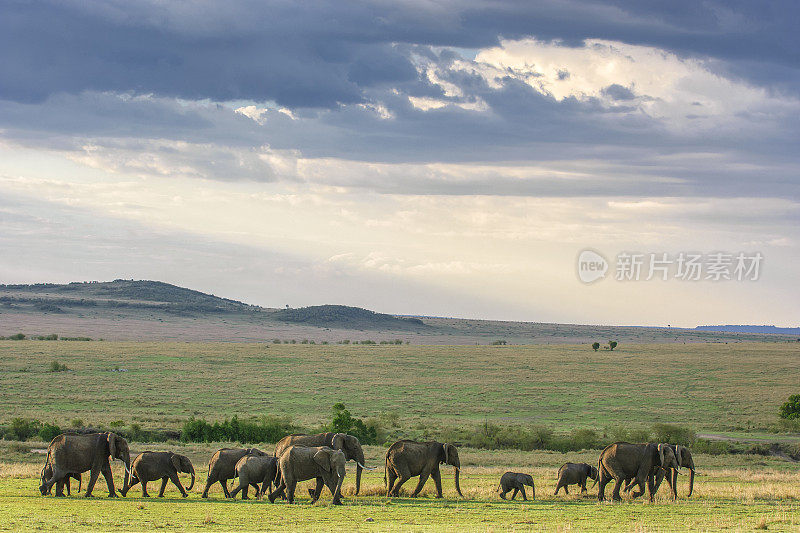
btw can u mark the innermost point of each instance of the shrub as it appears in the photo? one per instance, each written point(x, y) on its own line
point(52, 337)
point(343, 422)
point(16, 337)
point(23, 428)
point(49, 431)
point(55, 366)
point(596, 346)
point(76, 338)
point(674, 434)
point(499, 343)
point(612, 345)
point(77, 423)
point(234, 430)
point(711, 447)
point(791, 409)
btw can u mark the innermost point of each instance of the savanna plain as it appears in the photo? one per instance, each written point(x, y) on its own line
point(721, 391)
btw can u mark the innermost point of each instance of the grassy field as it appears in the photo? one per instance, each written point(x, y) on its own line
point(708, 387)
point(733, 492)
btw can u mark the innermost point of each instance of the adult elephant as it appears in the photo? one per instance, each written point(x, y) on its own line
point(222, 467)
point(348, 444)
point(75, 454)
point(299, 463)
point(407, 458)
point(684, 458)
point(622, 461)
point(151, 466)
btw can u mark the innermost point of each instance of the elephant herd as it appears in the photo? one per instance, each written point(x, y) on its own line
point(322, 458)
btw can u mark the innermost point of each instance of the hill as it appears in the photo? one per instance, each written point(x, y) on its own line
point(153, 310)
point(342, 316)
point(751, 329)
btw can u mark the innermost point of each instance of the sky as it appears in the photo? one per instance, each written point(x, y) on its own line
point(413, 157)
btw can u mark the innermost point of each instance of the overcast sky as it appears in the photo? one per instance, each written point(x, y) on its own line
point(416, 157)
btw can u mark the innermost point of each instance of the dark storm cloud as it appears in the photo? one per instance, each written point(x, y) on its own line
point(325, 53)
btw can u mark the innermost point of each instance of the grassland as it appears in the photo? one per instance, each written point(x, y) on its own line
point(709, 387)
point(734, 493)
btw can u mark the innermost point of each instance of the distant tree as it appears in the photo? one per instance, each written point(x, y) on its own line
point(499, 343)
point(791, 409)
point(612, 345)
point(596, 346)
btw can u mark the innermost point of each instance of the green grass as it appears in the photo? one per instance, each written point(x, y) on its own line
point(709, 387)
point(734, 492)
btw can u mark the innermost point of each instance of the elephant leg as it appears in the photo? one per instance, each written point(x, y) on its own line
point(391, 478)
point(635, 494)
point(67, 485)
point(209, 481)
point(514, 494)
point(402, 479)
point(173, 476)
point(93, 475)
point(524, 496)
point(291, 486)
point(163, 487)
point(566, 489)
point(318, 490)
point(266, 485)
point(245, 490)
point(437, 481)
point(558, 487)
point(423, 477)
point(224, 483)
point(236, 489)
point(279, 490)
point(144, 489)
point(615, 493)
point(106, 471)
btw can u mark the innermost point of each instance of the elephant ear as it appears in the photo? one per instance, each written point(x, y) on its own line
point(323, 459)
point(445, 447)
point(661, 453)
point(337, 442)
point(112, 444)
point(176, 462)
point(679, 454)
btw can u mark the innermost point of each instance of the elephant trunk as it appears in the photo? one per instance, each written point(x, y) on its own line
point(359, 468)
point(191, 485)
point(691, 481)
point(127, 479)
point(457, 470)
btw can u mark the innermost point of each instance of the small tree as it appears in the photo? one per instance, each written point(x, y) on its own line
point(791, 409)
point(596, 346)
point(612, 345)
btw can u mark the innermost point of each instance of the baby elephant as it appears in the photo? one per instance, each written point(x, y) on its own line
point(151, 466)
point(575, 473)
point(516, 481)
point(252, 470)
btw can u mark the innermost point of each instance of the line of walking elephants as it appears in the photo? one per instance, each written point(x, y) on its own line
point(322, 457)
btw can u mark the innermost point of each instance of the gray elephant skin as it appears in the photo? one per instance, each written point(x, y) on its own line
point(685, 460)
point(407, 458)
point(152, 466)
point(575, 474)
point(252, 470)
point(349, 444)
point(47, 473)
point(222, 467)
point(300, 463)
point(516, 481)
point(622, 461)
point(75, 454)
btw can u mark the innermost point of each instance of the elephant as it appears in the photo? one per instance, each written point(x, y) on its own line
point(575, 473)
point(622, 461)
point(222, 467)
point(516, 481)
point(150, 466)
point(408, 458)
point(75, 454)
point(299, 463)
point(684, 457)
point(252, 470)
point(338, 441)
point(47, 473)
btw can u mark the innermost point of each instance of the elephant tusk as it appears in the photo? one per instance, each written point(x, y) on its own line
point(366, 467)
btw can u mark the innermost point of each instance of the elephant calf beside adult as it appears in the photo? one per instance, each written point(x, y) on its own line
point(252, 470)
point(222, 467)
point(407, 458)
point(75, 454)
point(517, 482)
point(47, 473)
point(348, 444)
point(151, 466)
point(622, 461)
point(575, 474)
point(300, 463)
